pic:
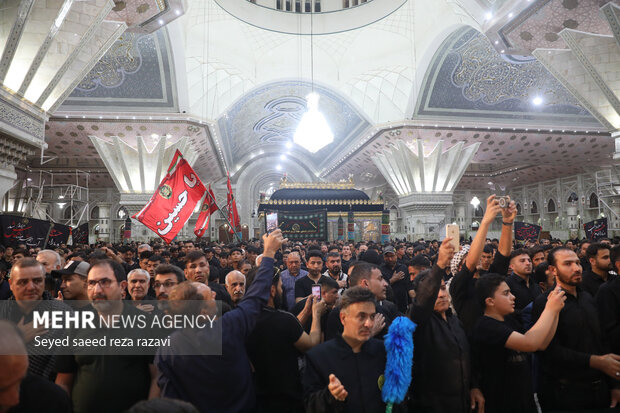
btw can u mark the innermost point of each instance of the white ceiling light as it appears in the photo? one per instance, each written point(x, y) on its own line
point(279, 167)
point(475, 202)
point(313, 132)
point(282, 157)
point(289, 144)
point(488, 16)
point(537, 101)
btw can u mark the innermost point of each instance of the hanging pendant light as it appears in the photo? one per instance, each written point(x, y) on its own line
point(313, 133)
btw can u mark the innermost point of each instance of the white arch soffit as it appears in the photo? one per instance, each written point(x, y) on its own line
point(274, 150)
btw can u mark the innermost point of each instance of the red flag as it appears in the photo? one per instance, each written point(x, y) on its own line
point(174, 201)
point(208, 208)
point(233, 215)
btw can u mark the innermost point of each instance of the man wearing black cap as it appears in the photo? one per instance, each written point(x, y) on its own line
point(394, 274)
point(73, 276)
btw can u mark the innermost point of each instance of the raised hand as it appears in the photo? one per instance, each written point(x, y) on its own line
point(509, 214)
point(273, 242)
point(445, 253)
point(492, 210)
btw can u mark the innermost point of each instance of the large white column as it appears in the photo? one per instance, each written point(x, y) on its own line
point(424, 183)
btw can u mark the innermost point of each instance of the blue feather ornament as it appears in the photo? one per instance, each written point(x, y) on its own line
point(399, 348)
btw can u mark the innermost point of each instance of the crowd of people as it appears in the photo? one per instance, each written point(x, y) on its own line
point(502, 326)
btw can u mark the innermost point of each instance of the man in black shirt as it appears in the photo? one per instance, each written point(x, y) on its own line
point(600, 264)
point(303, 309)
point(303, 286)
point(520, 282)
point(20, 391)
point(395, 274)
point(368, 276)
point(91, 380)
point(608, 302)
point(342, 374)
point(583, 247)
point(575, 363)
point(274, 346)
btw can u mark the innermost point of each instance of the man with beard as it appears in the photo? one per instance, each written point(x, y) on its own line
point(73, 276)
point(520, 281)
point(197, 269)
point(335, 271)
point(138, 282)
point(583, 247)
point(600, 264)
point(166, 277)
point(91, 381)
point(368, 276)
point(576, 361)
point(235, 285)
point(303, 309)
point(303, 286)
point(538, 256)
point(274, 346)
point(394, 274)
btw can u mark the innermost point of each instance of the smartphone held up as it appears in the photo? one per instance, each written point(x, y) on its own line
point(452, 231)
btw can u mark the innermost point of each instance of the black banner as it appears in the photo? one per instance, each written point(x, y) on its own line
point(303, 225)
point(80, 234)
point(596, 229)
point(59, 234)
point(525, 231)
point(20, 230)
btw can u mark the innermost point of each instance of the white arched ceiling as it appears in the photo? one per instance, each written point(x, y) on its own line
point(258, 174)
point(374, 66)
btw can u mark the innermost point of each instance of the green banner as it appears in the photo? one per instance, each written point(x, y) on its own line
point(303, 225)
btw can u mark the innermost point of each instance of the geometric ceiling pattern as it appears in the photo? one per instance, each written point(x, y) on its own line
point(468, 78)
point(136, 74)
point(538, 26)
point(70, 146)
point(506, 158)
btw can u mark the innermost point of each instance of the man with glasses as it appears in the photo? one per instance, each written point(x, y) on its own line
point(166, 277)
point(107, 383)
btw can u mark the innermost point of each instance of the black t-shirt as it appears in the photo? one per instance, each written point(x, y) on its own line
point(303, 286)
point(223, 272)
point(505, 374)
point(273, 354)
point(39, 395)
point(107, 383)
